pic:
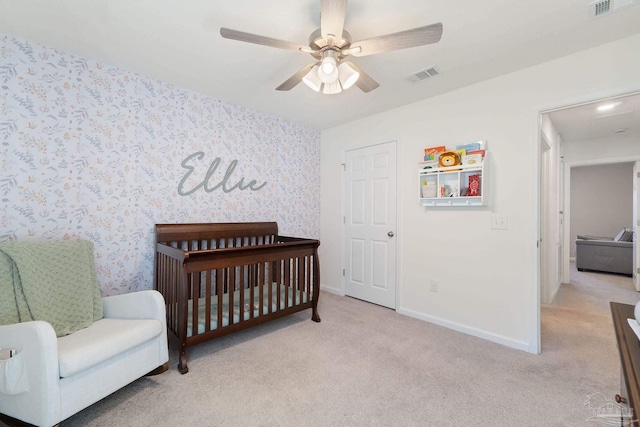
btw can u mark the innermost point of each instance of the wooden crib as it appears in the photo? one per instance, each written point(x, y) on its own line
point(220, 278)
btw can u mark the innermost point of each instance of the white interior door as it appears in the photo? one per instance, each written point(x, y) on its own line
point(370, 224)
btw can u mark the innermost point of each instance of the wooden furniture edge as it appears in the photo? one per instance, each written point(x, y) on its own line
point(217, 230)
point(629, 351)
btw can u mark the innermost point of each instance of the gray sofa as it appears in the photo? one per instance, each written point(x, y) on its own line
point(607, 254)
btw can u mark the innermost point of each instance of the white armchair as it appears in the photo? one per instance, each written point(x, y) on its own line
point(51, 378)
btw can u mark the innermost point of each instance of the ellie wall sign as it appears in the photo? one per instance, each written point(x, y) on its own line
point(213, 179)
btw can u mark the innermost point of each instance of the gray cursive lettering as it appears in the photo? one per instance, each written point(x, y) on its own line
point(224, 184)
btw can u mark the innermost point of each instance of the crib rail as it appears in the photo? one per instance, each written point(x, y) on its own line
point(193, 237)
point(213, 287)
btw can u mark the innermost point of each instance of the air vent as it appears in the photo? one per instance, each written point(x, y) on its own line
point(601, 7)
point(423, 75)
point(604, 7)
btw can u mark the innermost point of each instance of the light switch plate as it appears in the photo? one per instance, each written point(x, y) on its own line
point(499, 222)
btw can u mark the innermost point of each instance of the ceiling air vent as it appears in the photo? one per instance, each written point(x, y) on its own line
point(603, 7)
point(423, 75)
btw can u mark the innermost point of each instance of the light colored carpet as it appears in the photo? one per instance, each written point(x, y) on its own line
point(365, 365)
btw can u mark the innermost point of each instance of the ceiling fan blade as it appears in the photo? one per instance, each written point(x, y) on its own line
point(332, 14)
point(404, 39)
point(364, 82)
point(292, 81)
point(265, 41)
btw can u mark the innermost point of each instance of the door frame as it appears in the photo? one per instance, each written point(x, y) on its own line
point(535, 345)
point(399, 228)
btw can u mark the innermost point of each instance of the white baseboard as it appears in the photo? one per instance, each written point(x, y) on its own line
point(508, 342)
point(335, 291)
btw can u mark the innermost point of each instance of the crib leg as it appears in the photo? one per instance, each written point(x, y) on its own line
point(182, 364)
point(314, 314)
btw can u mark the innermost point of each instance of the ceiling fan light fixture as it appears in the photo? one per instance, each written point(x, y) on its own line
point(328, 70)
point(328, 65)
point(332, 88)
point(331, 43)
point(312, 80)
point(347, 75)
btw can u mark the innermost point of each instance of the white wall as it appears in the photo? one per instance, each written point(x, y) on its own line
point(601, 150)
point(601, 200)
point(488, 278)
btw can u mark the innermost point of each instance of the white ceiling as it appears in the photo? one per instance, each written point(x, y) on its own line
point(587, 122)
point(179, 42)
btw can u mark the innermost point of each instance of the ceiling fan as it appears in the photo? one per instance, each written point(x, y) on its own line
point(331, 44)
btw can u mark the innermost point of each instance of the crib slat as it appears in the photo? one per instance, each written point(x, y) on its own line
point(241, 302)
point(261, 288)
point(269, 281)
point(278, 280)
point(287, 278)
point(252, 289)
point(173, 293)
point(194, 303)
point(303, 272)
point(171, 290)
point(161, 278)
point(232, 285)
point(307, 282)
point(169, 286)
point(207, 300)
point(300, 281)
point(294, 279)
point(220, 291)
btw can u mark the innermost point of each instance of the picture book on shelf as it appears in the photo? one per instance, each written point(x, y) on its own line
point(472, 146)
point(461, 152)
point(429, 164)
point(431, 153)
point(480, 152)
point(471, 153)
point(472, 159)
point(474, 185)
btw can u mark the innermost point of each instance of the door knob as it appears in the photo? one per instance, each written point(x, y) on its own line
point(390, 234)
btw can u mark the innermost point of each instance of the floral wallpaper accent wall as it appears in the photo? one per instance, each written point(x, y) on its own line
point(92, 151)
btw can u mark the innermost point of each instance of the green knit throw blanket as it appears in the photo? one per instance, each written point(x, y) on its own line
point(51, 281)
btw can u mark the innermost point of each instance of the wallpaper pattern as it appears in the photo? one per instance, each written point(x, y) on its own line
point(92, 151)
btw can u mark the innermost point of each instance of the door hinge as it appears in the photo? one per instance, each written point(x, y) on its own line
point(344, 219)
point(344, 167)
point(343, 272)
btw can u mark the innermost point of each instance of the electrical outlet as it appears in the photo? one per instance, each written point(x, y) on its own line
point(433, 285)
point(499, 222)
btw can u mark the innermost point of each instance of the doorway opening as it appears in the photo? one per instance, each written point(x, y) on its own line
point(601, 133)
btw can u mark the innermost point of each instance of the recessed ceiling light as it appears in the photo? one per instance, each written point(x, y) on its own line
point(609, 106)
